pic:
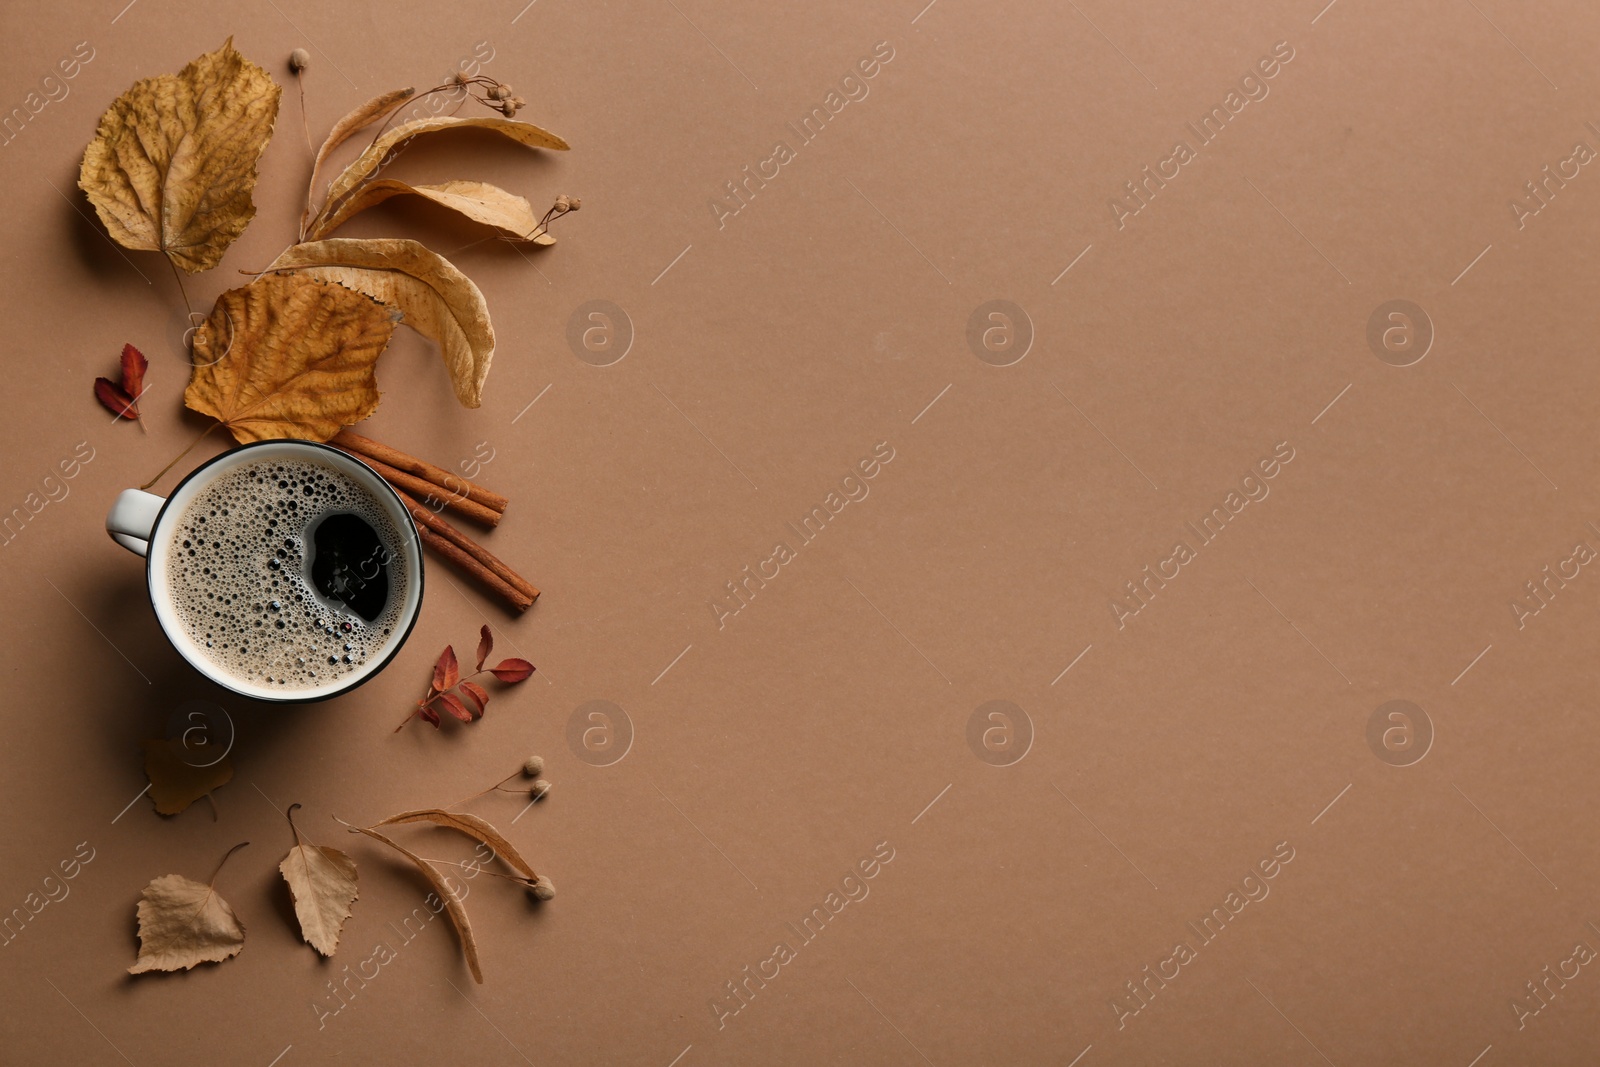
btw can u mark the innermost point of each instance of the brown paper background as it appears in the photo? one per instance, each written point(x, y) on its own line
point(827, 715)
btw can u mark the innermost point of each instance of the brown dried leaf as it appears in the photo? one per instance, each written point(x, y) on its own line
point(474, 827)
point(183, 923)
point(485, 645)
point(175, 780)
point(438, 301)
point(379, 107)
point(322, 882)
point(134, 366)
point(289, 356)
point(173, 163)
point(478, 201)
point(456, 910)
point(368, 162)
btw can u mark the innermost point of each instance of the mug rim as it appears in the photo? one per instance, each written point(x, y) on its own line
point(214, 676)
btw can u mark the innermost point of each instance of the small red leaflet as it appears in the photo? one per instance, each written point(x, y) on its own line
point(122, 398)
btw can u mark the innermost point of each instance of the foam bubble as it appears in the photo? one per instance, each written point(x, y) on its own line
point(239, 575)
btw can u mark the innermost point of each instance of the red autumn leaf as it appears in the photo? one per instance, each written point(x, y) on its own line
point(429, 715)
point(115, 399)
point(446, 673)
point(485, 645)
point(477, 694)
point(512, 670)
point(454, 706)
point(133, 367)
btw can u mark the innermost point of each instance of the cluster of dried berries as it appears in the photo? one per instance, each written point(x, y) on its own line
point(497, 96)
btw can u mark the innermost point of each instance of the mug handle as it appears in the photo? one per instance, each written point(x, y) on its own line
point(132, 518)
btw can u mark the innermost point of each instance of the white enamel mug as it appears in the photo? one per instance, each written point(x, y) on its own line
point(142, 523)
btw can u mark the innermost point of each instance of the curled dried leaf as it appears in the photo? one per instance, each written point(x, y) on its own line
point(173, 163)
point(474, 827)
point(453, 906)
point(379, 107)
point(289, 356)
point(368, 162)
point(438, 301)
point(479, 201)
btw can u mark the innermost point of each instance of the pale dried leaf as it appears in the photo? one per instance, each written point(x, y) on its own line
point(478, 201)
point(368, 162)
point(438, 301)
point(175, 779)
point(174, 160)
point(471, 825)
point(322, 881)
point(379, 107)
point(453, 906)
point(183, 923)
point(289, 356)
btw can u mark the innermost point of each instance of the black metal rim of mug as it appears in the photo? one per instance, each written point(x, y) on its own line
point(289, 698)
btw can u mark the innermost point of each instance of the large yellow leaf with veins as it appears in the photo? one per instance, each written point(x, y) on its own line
point(173, 163)
point(289, 356)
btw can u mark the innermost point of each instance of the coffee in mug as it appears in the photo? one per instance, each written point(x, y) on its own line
point(283, 570)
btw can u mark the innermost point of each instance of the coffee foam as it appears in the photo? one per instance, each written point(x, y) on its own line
point(239, 576)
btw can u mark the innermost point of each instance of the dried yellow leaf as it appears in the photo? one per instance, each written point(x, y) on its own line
point(173, 163)
point(289, 356)
point(478, 201)
point(180, 775)
point(379, 107)
point(452, 903)
point(438, 301)
point(183, 923)
point(367, 163)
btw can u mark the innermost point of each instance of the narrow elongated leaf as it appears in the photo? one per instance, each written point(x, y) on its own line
point(379, 107)
point(367, 163)
point(479, 201)
point(456, 910)
point(474, 827)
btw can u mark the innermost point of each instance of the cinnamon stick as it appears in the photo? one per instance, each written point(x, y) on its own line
point(474, 568)
point(438, 476)
point(399, 479)
point(472, 557)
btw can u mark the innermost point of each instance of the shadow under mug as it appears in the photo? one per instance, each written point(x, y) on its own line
point(142, 523)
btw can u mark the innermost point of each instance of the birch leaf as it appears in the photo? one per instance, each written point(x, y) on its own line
point(183, 923)
point(368, 162)
point(322, 882)
point(438, 301)
point(174, 160)
point(289, 356)
point(481, 202)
